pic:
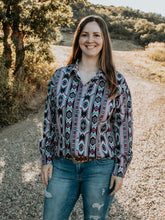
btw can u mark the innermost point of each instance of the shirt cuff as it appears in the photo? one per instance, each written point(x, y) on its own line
point(118, 171)
point(46, 157)
point(46, 160)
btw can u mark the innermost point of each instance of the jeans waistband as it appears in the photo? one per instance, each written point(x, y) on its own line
point(82, 159)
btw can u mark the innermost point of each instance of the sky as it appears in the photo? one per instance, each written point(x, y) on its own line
point(154, 6)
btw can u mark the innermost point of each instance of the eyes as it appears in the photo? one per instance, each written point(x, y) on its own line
point(95, 35)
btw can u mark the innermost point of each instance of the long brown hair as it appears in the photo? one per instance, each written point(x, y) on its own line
point(105, 58)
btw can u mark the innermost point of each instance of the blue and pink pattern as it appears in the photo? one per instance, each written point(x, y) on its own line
point(81, 120)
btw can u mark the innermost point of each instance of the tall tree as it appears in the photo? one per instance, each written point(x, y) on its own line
point(5, 19)
point(38, 20)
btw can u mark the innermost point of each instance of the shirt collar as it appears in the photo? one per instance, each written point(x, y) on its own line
point(100, 73)
point(73, 68)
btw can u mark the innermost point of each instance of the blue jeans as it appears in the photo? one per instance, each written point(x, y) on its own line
point(69, 180)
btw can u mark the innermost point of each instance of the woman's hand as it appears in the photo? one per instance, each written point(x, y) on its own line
point(46, 173)
point(118, 181)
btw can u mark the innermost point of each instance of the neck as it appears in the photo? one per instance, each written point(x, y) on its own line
point(90, 64)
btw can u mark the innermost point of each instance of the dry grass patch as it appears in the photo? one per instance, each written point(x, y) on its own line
point(156, 51)
point(145, 64)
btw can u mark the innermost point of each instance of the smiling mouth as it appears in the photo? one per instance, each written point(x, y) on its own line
point(90, 47)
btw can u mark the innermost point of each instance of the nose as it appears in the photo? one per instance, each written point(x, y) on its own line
point(90, 38)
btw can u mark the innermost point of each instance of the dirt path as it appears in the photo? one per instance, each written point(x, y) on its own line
point(141, 197)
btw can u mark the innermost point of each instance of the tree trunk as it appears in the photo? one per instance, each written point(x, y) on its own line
point(17, 37)
point(6, 46)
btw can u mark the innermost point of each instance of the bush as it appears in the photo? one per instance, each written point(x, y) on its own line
point(119, 31)
point(156, 51)
point(161, 28)
point(38, 68)
point(8, 109)
point(15, 96)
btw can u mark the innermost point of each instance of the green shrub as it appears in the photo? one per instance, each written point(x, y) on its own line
point(7, 101)
point(15, 96)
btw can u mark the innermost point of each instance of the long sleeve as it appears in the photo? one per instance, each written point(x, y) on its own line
point(48, 131)
point(123, 131)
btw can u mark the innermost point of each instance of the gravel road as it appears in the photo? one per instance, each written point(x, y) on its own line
point(142, 195)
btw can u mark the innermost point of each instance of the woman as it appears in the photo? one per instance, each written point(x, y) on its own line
point(87, 140)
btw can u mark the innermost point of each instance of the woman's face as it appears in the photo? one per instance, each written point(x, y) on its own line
point(91, 40)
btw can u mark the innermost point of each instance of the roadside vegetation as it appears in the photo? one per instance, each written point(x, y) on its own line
point(156, 51)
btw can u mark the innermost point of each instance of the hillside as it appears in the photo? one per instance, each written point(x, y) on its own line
point(124, 23)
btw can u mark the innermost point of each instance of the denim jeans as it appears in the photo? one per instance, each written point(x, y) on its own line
point(69, 180)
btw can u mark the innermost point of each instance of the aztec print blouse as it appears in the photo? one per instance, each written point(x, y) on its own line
point(80, 120)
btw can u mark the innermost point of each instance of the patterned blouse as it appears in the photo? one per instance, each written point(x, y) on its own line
point(81, 120)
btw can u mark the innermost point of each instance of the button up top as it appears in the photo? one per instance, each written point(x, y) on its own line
point(81, 120)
